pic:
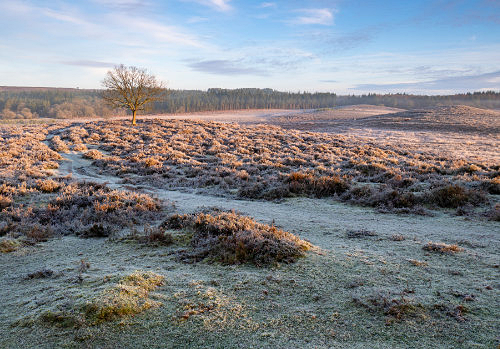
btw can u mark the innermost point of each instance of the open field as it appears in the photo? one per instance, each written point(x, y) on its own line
point(381, 232)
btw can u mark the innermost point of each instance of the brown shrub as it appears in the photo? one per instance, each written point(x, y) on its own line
point(153, 236)
point(309, 184)
point(360, 234)
point(5, 201)
point(59, 145)
point(453, 196)
point(93, 154)
point(48, 185)
point(231, 238)
point(494, 213)
point(38, 234)
point(442, 248)
point(80, 147)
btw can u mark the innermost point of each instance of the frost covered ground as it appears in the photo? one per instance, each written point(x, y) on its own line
point(371, 279)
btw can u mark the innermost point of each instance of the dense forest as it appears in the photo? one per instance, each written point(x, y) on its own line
point(62, 103)
point(487, 100)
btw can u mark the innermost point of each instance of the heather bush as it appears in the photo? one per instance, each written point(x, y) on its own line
point(309, 184)
point(453, 196)
point(231, 238)
point(442, 248)
point(93, 154)
point(48, 185)
point(85, 209)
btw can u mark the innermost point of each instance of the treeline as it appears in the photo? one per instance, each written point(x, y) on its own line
point(28, 103)
point(182, 101)
point(73, 103)
point(487, 100)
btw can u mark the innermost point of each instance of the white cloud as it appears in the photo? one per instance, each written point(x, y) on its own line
point(64, 17)
point(145, 27)
point(218, 5)
point(267, 4)
point(197, 19)
point(323, 16)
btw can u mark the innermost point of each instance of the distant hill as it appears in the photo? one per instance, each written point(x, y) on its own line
point(460, 118)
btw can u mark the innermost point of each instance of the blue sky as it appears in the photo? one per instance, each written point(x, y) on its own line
point(343, 46)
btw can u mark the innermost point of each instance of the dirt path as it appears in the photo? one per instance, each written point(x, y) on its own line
point(318, 220)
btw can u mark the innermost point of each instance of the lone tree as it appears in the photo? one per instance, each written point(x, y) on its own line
point(130, 87)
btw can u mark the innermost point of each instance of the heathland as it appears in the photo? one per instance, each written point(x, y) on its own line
point(350, 227)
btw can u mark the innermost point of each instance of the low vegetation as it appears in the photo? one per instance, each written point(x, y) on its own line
point(231, 238)
point(266, 162)
point(442, 248)
point(129, 296)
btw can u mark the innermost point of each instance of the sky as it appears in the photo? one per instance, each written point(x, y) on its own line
point(341, 46)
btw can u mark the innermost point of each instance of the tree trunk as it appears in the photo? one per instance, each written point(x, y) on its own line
point(133, 117)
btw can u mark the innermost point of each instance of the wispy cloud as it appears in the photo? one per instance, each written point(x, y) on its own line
point(123, 5)
point(218, 5)
point(267, 5)
point(455, 83)
point(322, 16)
point(226, 67)
point(89, 63)
point(163, 33)
point(197, 19)
point(64, 17)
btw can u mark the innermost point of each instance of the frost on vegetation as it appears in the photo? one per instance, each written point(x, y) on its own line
point(9, 245)
point(267, 162)
point(84, 209)
point(210, 305)
point(231, 238)
point(130, 296)
point(442, 248)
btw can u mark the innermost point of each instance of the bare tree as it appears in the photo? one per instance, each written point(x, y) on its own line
point(130, 87)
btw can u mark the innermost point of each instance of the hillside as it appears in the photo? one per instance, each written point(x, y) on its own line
point(458, 118)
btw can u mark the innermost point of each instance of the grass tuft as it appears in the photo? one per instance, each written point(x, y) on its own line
point(130, 296)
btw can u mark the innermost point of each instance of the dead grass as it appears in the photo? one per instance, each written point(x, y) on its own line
point(395, 309)
point(9, 245)
point(418, 263)
point(129, 297)
point(153, 236)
